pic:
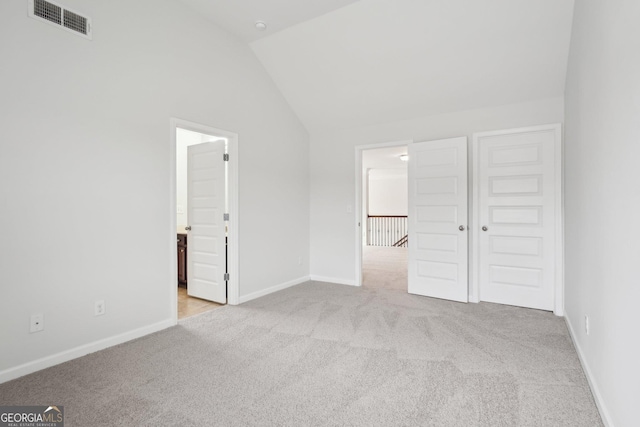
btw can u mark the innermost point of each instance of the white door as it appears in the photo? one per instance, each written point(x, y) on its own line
point(206, 247)
point(517, 192)
point(438, 236)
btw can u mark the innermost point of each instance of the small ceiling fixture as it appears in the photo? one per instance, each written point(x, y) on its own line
point(261, 26)
point(404, 157)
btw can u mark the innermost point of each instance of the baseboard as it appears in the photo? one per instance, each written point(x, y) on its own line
point(604, 413)
point(74, 353)
point(272, 289)
point(333, 280)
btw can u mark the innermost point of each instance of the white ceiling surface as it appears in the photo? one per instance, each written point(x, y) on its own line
point(377, 61)
point(239, 16)
point(384, 158)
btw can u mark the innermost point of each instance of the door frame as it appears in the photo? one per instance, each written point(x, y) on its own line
point(359, 208)
point(233, 289)
point(474, 286)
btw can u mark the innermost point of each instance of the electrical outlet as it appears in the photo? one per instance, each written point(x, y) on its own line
point(99, 308)
point(37, 323)
point(299, 260)
point(586, 324)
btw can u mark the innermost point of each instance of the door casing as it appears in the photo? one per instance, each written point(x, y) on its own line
point(474, 285)
point(233, 289)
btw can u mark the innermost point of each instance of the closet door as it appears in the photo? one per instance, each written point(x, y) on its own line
point(517, 215)
point(438, 203)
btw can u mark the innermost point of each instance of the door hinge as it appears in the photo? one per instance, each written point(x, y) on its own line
point(226, 277)
point(225, 157)
point(225, 217)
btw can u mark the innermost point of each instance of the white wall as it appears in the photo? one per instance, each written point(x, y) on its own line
point(602, 177)
point(333, 171)
point(388, 192)
point(84, 169)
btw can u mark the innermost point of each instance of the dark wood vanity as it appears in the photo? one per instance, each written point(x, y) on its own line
point(182, 260)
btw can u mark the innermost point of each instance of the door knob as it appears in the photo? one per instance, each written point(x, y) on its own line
point(461, 228)
point(484, 228)
point(188, 228)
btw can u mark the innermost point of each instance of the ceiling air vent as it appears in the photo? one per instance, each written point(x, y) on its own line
point(55, 14)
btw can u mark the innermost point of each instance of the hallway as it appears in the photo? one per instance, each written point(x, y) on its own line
point(384, 268)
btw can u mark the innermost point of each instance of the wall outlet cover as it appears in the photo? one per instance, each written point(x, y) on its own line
point(99, 308)
point(37, 323)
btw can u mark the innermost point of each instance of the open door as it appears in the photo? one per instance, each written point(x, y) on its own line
point(206, 248)
point(438, 212)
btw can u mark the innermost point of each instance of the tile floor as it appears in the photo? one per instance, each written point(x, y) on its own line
point(189, 306)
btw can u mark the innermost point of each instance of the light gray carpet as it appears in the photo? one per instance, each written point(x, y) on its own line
point(384, 267)
point(329, 355)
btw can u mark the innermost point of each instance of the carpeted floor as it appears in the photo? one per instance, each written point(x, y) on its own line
point(329, 355)
point(384, 267)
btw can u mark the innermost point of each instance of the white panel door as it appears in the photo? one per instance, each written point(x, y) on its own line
point(517, 216)
point(206, 251)
point(438, 239)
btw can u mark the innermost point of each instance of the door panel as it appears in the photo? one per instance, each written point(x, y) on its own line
point(517, 205)
point(437, 208)
point(206, 253)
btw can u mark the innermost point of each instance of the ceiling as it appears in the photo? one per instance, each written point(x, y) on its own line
point(344, 64)
point(384, 158)
point(239, 16)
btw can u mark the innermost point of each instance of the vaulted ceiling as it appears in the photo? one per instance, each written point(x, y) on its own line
point(343, 63)
point(239, 16)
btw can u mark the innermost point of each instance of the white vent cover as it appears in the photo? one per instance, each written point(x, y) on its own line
point(58, 15)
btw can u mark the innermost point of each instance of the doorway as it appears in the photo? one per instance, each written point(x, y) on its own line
point(203, 218)
point(509, 250)
point(381, 192)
